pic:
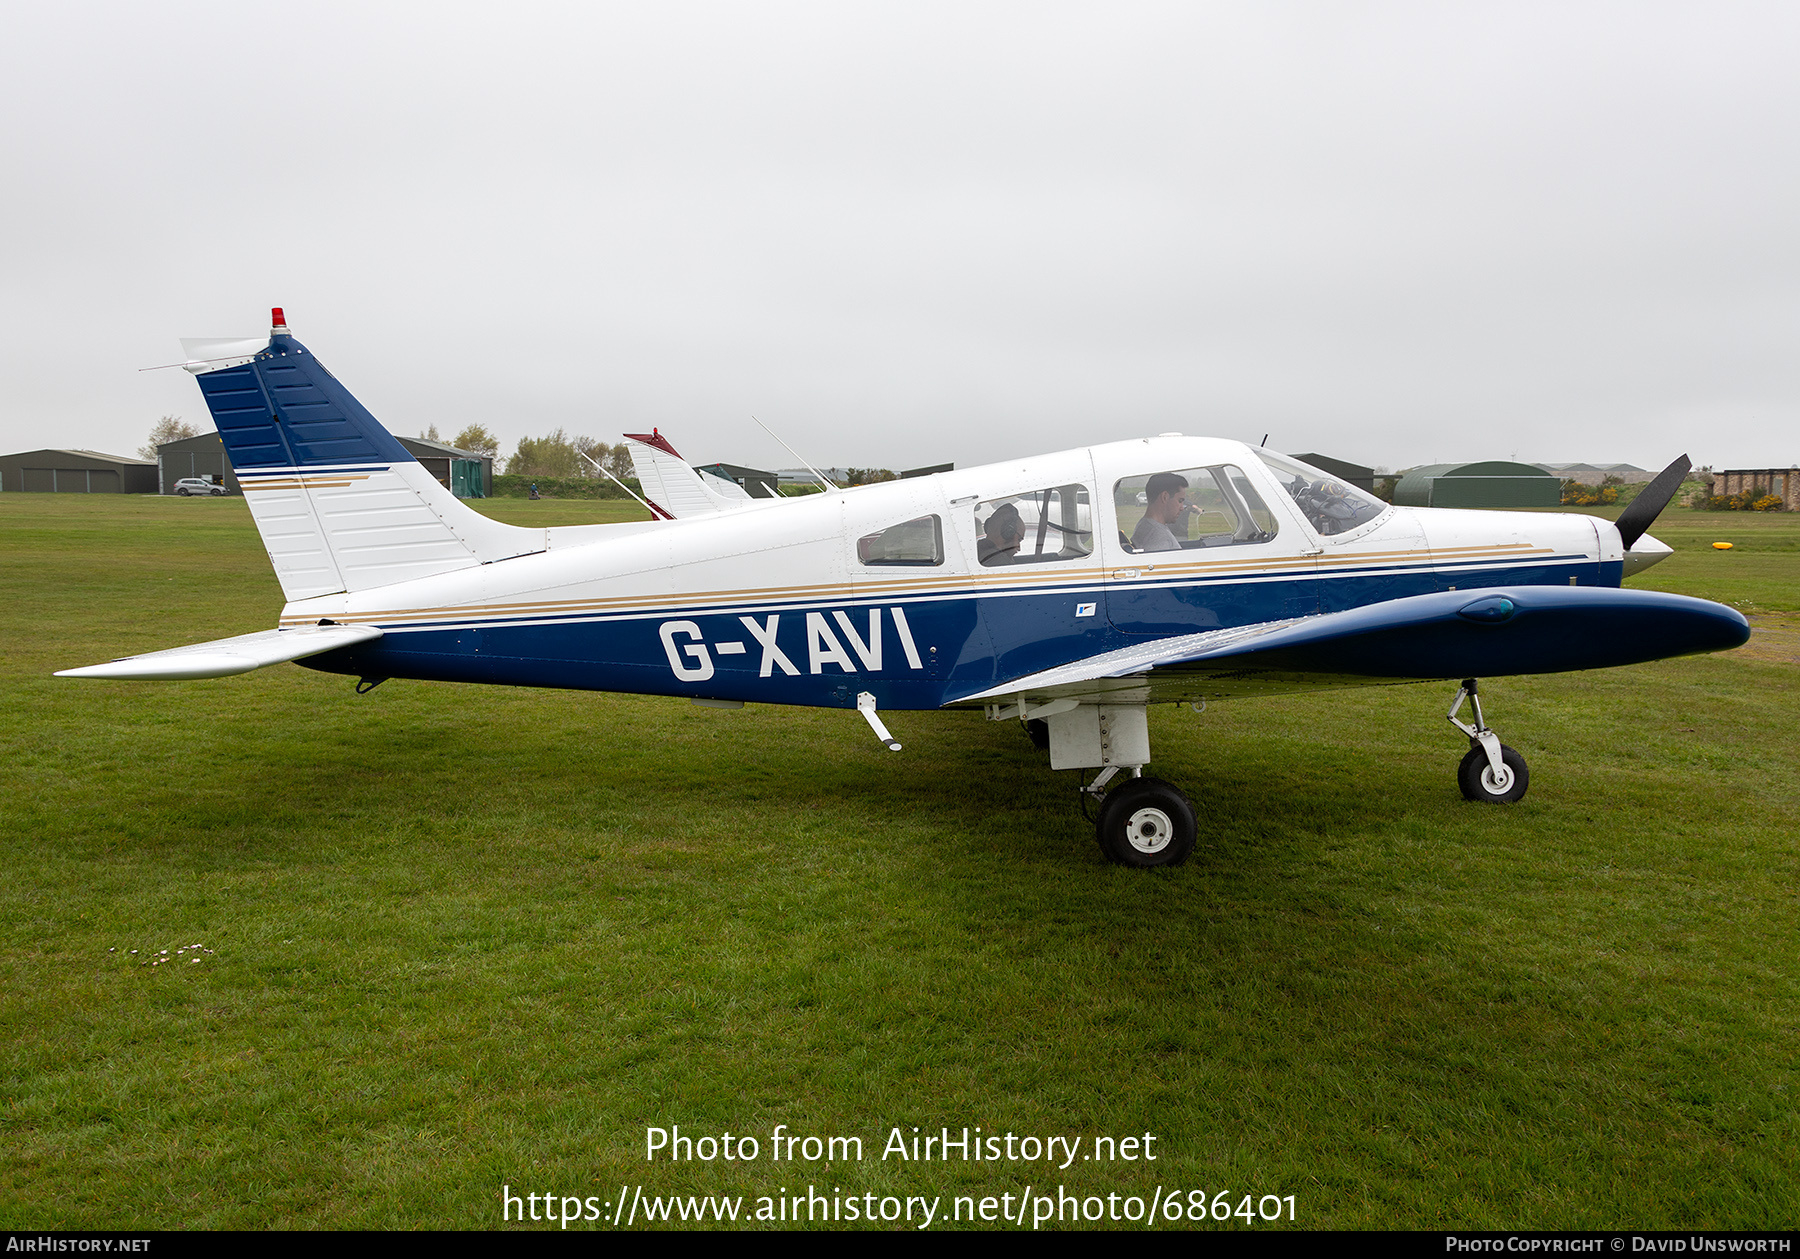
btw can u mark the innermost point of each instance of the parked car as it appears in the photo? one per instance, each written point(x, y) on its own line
point(197, 485)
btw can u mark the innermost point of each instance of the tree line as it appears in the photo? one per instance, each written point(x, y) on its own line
point(556, 455)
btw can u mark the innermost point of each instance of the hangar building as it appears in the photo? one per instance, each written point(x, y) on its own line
point(1496, 483)
point(753, 481)
point(1595, 473)
point(76, 472)
point(202, 456)
point(1349, 473)
point(464, 473)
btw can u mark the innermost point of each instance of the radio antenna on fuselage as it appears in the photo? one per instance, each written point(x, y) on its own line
point(796, 454)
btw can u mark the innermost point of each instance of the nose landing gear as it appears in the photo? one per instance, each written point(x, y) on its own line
point(1490, 771)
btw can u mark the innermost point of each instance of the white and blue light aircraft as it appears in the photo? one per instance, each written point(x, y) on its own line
point(1066, 591)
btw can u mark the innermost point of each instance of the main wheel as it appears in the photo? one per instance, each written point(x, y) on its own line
point(1146, 822)
point(1038, 731)
point(1479, 782)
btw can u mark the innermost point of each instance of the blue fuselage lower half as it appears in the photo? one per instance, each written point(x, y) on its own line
point(924, 652)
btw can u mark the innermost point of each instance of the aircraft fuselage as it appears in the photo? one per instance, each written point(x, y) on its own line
point(776, 603)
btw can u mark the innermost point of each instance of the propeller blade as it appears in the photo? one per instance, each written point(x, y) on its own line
point(1648, 505)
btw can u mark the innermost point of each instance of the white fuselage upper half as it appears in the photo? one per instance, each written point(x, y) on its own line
point(814, 549)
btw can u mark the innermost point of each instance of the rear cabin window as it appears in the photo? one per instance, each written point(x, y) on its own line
point(1035, 528)
point(911, 544)
point(1191, 508)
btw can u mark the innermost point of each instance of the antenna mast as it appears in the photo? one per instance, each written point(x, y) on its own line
point(796, 454)
point(655, 512)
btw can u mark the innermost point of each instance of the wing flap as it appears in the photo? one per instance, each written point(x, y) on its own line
point(225, 656)
point(1494, 632)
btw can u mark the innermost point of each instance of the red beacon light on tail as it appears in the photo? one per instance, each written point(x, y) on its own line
point(278, 323)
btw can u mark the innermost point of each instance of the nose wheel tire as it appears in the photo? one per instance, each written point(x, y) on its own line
point(1146, 822)
point(1479, 782)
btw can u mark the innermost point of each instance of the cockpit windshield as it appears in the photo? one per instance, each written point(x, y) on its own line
point(1329, 504)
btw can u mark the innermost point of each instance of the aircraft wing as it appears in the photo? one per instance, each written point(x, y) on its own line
point(1452, 634)
point(226, 656)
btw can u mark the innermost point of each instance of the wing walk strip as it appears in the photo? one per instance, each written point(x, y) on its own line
point(728, 601)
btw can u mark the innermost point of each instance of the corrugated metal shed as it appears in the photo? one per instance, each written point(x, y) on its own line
point(1495, 483)
point(76, 472)
point(1595, 473)
point(753, 481)
point(1349, 473)
point(465, 473)
point(202, 456)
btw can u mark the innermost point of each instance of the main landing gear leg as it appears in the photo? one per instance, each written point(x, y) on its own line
point(1143, 822)
point(1490, 771)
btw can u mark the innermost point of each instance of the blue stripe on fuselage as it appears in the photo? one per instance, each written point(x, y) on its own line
point(315, 470)
point(964, 644)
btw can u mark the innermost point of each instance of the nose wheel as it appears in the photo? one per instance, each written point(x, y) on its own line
point(1480, 781)
point(1490, 772)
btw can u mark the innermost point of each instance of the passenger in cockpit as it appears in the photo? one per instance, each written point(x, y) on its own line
point(1000, 536)
point(1165, 507)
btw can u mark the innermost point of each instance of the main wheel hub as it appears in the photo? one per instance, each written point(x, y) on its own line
point(1149, 830)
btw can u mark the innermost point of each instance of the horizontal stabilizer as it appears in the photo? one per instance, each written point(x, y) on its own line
point(226, 656)
point(212, 354)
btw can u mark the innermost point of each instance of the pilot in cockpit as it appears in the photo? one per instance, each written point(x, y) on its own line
point(1165, 507)
point(1001, 536)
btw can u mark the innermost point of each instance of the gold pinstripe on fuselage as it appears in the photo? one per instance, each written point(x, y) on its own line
point(925, 586)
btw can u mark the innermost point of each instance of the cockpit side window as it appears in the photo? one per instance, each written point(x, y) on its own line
point(1330, 505)
point(1035, 528)
point(1191, 508)
point(912, 543)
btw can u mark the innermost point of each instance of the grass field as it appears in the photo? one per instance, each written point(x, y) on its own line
point(455, 938)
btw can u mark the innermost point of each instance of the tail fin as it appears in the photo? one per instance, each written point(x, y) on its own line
point(340, 504)
point(674, 485)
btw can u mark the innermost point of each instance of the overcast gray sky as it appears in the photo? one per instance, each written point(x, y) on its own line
point(908, 233)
